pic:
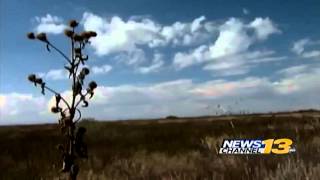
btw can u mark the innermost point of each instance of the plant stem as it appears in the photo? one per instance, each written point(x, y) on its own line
point(73, 110)
point(56, 93)
point(74, 73)
point(60, 52)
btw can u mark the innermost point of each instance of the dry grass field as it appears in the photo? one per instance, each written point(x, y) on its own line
point(182, 148)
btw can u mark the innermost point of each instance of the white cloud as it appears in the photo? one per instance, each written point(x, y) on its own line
point(182, 97)
point(311, 54)
point(127, 37)
point(268, 59)
point(133, 58)
point(101, 69)
point(299, 82)
point(232, 39)
point(222, 88)
point(234, 36)
point(264, 27)
point(186, 33)
point(245, 11)
point(299, 48)
point(62, 74)
point(49, 24)
point(54, 74)
point(241, 63)
point(196, 24)
point(293, 70)
point(229, 54)
point(155, 66)
point(299, 70)
point(186, 98)
point(118, 35)
point(196, 56)
point(20, 108)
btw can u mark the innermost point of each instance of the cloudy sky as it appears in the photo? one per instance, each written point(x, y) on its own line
point(157, 58)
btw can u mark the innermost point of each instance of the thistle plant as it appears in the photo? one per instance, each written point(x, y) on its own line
point(69, 112)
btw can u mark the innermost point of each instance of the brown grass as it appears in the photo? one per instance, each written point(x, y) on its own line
point(167, 149)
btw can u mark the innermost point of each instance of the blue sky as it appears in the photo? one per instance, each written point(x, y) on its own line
point(157, 58)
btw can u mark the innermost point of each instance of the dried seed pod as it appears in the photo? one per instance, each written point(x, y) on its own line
point(92, 34)
point(38, 81)
point(81, 75)
point(93, 85)
point(31, 35)
point(77, 37)
point(68, 33)
point(85, 71)
point(85, 35)
point(73, 23)
point(55, 110)
point(32, 77)
point(42, 37)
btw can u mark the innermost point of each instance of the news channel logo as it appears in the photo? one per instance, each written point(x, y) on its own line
point(257, 146)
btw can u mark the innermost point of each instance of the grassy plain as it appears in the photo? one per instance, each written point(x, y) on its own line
point(182, 148)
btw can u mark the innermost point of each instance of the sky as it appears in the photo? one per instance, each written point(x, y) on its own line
point(152, 59)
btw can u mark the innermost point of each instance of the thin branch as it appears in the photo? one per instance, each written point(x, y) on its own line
point(78, 117)
point(56, 93)
point(60, 52)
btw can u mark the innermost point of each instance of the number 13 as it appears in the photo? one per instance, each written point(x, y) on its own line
point(283, 146)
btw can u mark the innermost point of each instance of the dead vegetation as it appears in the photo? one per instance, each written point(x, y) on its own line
point(160, 149)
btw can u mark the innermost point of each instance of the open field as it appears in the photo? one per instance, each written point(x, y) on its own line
point(183, 148)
